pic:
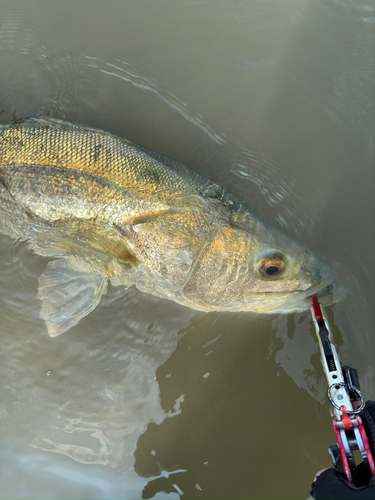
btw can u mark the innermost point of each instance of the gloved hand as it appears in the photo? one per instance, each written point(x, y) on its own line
point(330, 484)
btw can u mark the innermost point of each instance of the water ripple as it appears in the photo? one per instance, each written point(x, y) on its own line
point(129, 74)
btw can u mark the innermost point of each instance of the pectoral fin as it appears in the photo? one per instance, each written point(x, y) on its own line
point(68, 293)
point(70, 237)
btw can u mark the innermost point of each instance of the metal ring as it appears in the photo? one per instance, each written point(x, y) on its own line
point(357, 392)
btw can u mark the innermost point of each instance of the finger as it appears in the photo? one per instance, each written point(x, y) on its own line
point(320, 472)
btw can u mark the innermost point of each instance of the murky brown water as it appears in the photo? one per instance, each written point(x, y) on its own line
point(145, 398)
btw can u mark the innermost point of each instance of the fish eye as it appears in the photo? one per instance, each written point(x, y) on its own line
point(272, 268)
point(270, 265)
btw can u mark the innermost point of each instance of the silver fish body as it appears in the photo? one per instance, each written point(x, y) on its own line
point(109, 209)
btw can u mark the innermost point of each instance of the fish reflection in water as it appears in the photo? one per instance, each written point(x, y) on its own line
point(111, 210)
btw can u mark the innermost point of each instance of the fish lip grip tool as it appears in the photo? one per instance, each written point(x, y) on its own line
point(343, 391)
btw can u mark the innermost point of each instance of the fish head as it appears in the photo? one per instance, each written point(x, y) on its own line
point(249, 265)
point(282, 274)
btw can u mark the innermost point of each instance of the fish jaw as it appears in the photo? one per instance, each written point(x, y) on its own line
point(328, 296)
point(295, 301)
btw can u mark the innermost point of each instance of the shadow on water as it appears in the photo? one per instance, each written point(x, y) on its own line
point(237, 404)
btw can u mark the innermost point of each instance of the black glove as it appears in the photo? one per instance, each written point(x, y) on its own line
point(332, 485)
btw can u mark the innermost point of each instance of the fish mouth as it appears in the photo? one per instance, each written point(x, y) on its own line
point(331, 294)
point(325, 287)
point(327, 294)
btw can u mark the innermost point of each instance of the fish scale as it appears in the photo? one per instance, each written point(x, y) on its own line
point(51, 143)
